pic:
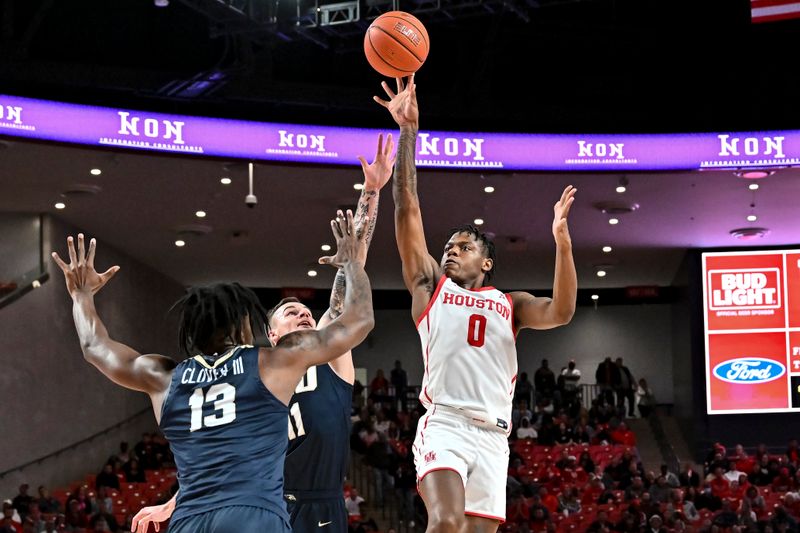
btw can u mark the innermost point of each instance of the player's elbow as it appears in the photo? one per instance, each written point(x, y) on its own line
point(563, 315)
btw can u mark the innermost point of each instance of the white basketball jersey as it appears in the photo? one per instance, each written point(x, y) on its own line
point(469, 350)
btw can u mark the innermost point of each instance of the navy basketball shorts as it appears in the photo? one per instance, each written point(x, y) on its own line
point(232, 519)
point(317, 511)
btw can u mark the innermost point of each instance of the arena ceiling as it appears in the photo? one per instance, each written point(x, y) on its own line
point(528, 66)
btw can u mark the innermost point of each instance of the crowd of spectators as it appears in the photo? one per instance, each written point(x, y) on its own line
point(93, 503)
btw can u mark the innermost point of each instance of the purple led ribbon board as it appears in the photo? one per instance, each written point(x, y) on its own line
point(239, 139)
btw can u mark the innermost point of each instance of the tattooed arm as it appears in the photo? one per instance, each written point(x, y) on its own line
point(376, 175)
point(420, 271)
point(282, 367)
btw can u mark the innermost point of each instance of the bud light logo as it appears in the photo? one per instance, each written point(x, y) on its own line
point(749, 370)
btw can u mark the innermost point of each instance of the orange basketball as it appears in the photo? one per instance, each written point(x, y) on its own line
point(396, 44)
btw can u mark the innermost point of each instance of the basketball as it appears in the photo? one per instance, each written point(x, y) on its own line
point(396, 44)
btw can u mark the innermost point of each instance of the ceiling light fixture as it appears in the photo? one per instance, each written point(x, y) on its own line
point(595, 297)
point(95, 172)
point(200, 214)
point(161, 3)
point(752, 218)
point(753, 186)
point(754, 173)
point(60, 205)
point(326, 247)
point(225, 181)
point(358, 186)
point(478, 221)
point(622, 186)
point(601, 273)
point(312, 273)
point(488, 189)
point(613, 221)
point(180, 243)
point(606, 249)
point(749, 234)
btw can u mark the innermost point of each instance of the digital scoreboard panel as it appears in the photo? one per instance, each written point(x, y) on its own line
point(751, 307)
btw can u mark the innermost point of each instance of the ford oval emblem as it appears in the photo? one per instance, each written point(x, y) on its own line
point(745, 370)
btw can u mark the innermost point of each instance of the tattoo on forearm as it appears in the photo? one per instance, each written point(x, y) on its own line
point(337, 295)
point(367, 205)
point(405, 175)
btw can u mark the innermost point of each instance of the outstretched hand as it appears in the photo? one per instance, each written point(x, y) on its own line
point(79, 274)
point(348, 243)
point(403, 105)
point(560, 211)
point(377, 173)
point(147, 515)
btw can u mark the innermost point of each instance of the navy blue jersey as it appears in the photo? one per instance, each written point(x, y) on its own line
point(228, 435)
point(319, 432)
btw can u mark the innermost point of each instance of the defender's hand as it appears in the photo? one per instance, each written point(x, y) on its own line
point(348, 244)
point(79, 274)
point(377, 173)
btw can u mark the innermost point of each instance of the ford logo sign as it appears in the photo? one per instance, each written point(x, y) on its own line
point(749, 370)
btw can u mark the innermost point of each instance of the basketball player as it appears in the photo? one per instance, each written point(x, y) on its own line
point(319, 411)
point(468, 333)
point(224, 410)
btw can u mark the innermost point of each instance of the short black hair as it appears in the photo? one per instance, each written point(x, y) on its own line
point(485, 240)
point(278, 305)
point(206, 311)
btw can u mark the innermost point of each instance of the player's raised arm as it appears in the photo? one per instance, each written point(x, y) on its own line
point(376, 175)
point(284, 365)
point(420, 270)
point(120, 363)
point(546, 313)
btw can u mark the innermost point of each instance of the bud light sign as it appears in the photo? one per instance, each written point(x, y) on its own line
point(749, 370)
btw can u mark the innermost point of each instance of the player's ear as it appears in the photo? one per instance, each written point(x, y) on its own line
point(487, 264)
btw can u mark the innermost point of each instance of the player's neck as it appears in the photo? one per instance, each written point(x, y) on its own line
point(472, 284)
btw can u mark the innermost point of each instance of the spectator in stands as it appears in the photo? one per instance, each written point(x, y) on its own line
point(523, 389)
point(81, 496)
point(645, 399)
point(134, 472)
point(517, 510)
point(783, 482)
point(601, 523)
point(540, 519)
point(719, 484)
point(689, 477)
point(379, 386)
point(570, 376)
point(635, 490)
point(544, 381)
point(607, 378)
point(672, 479)
point(144, 452)
point(625, 389)
point(399, 379)
point(22, 501)
point(688, 507)
point(755, 501)
point(107, 478)
point(358, 396)
point(569, 502)
point(526, 431)
point(660, 491)
point(764, 473)
point(733, 473)
point(563, 434)
point(628, 523)
point(33, 521)
point(75, 516)
point(519, 412)
point(124, 454)
point(353, 505)
point(549, 500)
point(793, 452)
point(585, 461)
point(656, 525)
point(101, 524)
point(782, 520)
point(47, 504)
point(8, 524)
point(623, 435)
point(104, 513)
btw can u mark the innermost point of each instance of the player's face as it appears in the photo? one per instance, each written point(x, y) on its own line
point(292, 316)
point(463, 259)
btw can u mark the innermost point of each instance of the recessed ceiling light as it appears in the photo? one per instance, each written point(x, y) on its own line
point(60, 205)
point(606, 249)
point(161, 3)
point(613, 221)
point(312, 273)
point(179, 243)
point(601, 273)
point(225, 181)
point(478, 221)
point(358, 186)
point(488, 189)
point(326, 247)
point(754, 173)
point(748, 234)
point(753, 186)
point(200, 214)
point(752, 218)
point(621, 189)
point(36, 284)
point(95, 172)
point(595, 296)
